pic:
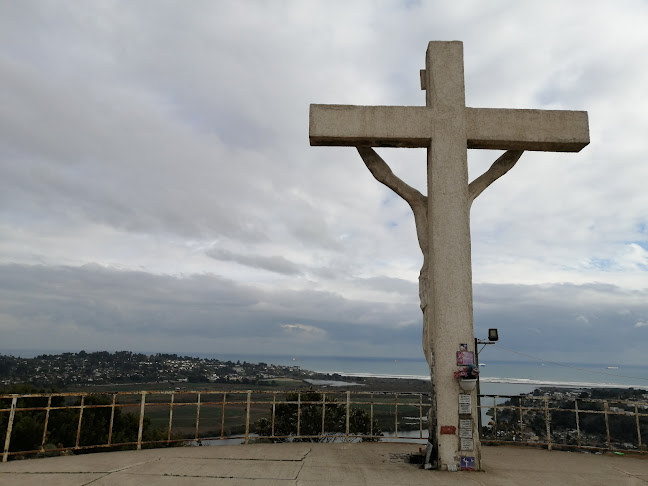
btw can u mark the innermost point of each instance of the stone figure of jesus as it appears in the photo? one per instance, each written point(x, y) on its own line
point(419, 205)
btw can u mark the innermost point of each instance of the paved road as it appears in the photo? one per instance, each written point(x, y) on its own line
point(321, 464)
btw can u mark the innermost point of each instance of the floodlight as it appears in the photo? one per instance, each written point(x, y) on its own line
point(492, 335)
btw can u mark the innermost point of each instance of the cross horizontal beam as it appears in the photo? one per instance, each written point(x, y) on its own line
point(412, 126)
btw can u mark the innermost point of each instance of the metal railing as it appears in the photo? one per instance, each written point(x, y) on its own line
point(227, 409)
point(565, 422)
point(180, 417)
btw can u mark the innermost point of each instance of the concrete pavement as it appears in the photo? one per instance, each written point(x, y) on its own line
point(321, 464)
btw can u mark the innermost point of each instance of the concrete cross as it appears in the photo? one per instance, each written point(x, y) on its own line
point(447, 128)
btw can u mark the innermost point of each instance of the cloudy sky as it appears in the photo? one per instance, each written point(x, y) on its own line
point(158, 191)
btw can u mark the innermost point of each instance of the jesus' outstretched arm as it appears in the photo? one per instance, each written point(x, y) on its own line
point(500, 167)
point(417, 201)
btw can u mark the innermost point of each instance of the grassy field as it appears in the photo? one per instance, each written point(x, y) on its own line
point(211, 412)
point(185, 398)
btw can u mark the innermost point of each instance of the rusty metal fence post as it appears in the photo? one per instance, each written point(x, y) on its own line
point(112, 418)
point(371, 414)
point(12, 414)
point(170, 416)
point(78, 435)
point(197, 417)
point(222, 434)
point(494, 415)
point(578, 431)
point(47, 414)
point(521, 419)
point(247, 417)
point(298, 414)
point(606, 409)
point(547, 422)
point(639, 445)
point(323, 414)
point(140, 429)
point(348, 414)
point(395, 414)
point(421, 415)
point(274, 409)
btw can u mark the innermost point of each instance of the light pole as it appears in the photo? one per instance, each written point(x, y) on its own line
point(492, 338)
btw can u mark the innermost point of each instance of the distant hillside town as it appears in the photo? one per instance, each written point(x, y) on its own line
point(103, 368)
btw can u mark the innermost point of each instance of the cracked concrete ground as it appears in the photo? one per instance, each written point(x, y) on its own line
point(320, 464)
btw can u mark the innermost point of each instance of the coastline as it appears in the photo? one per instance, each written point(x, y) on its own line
point(501, 386)
point(125, 369)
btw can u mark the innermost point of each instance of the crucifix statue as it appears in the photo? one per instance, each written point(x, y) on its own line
point(447, 128)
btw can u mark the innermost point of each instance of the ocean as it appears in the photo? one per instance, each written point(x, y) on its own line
point(496, 377)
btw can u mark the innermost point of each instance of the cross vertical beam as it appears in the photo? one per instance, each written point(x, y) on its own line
point(448, 317)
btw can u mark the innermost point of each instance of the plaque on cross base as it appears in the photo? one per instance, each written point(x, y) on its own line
point(465, 404)
point(467, 444)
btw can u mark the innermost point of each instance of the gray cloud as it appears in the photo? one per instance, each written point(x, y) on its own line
point(277, 264)
point(70, 303)
point(390, 284)
point(95, 307)
point(566, 322)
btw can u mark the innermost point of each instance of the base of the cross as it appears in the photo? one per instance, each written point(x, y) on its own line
point(453, 418)
point(453, 435)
